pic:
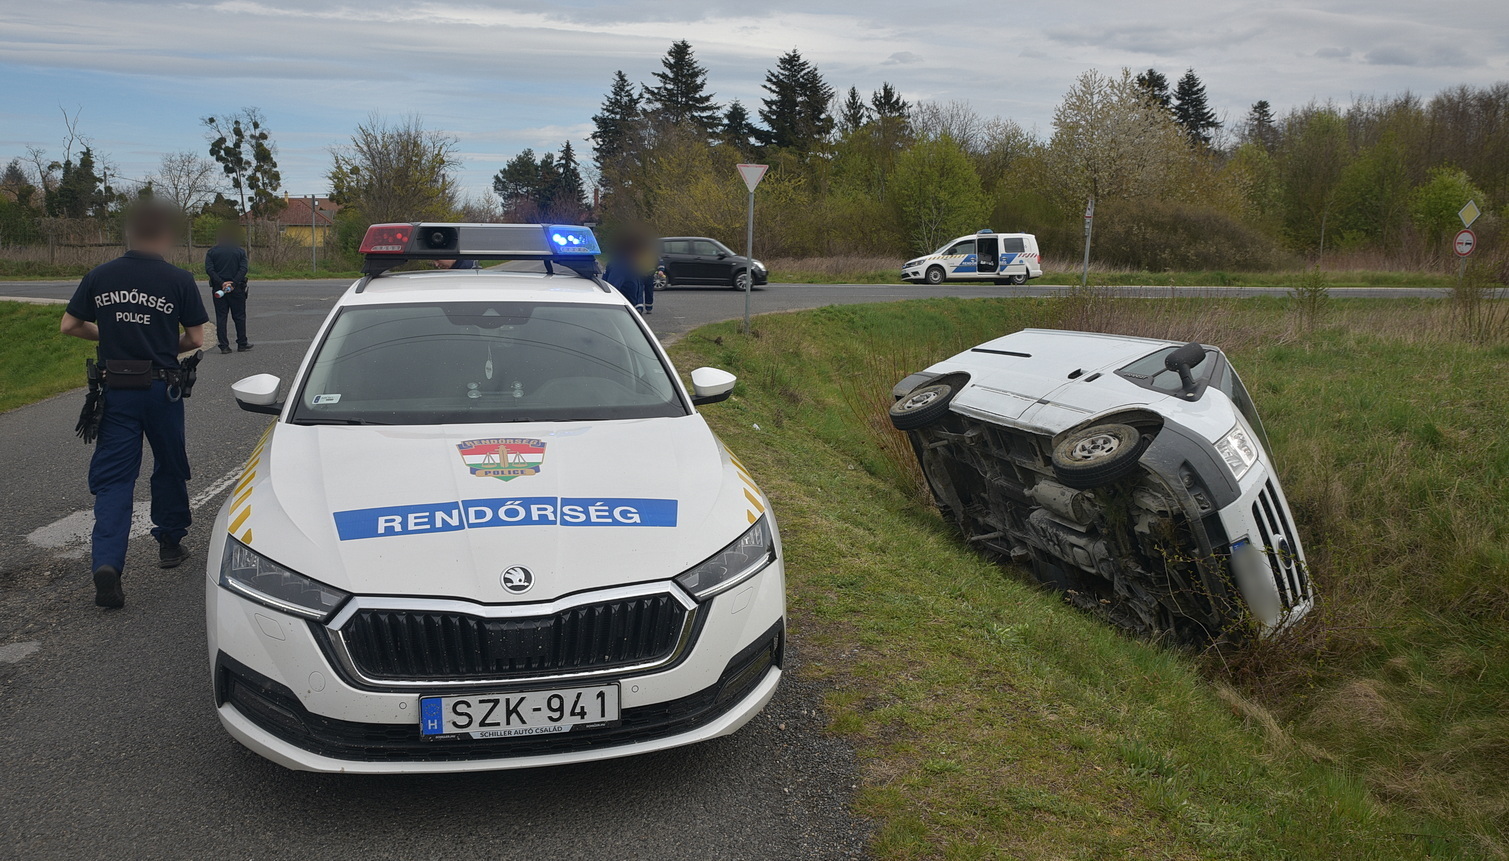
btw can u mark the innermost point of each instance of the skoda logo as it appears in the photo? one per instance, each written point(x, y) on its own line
point(518, 579)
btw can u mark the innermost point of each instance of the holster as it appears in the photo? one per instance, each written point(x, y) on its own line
point(188, 374)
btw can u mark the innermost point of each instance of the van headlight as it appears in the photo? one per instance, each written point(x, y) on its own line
point(1238, 450)
point(739, 561)
point(252, 575)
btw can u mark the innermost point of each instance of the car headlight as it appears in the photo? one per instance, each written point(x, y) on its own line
point(1238, 450)
point(252, 575)
point(758, 265)
point(739, 561)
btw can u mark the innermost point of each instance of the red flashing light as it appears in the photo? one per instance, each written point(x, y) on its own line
point(387, 239)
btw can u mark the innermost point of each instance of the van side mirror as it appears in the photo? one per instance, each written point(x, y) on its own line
point(1183, 360)
point(258, 394)
point(711, 385)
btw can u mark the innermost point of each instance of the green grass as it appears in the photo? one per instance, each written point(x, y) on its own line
point(1286, 279)
point(995, 722)
point(27, 270)
point(35, 359)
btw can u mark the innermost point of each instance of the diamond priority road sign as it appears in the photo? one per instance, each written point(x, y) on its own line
point(1469, 213)
point(1464, 243)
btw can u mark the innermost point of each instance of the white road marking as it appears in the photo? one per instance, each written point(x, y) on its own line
point(76, 527)
point(16, 651)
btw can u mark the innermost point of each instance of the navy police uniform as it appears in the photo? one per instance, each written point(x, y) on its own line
point(138, 301)
point(227, 262)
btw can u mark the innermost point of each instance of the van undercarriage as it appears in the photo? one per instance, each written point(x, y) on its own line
point(1144, 552)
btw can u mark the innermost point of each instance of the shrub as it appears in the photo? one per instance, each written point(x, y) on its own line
point(1159, 236)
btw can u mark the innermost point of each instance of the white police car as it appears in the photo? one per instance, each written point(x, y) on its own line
point(489, 528)
point(1131, 474)
point(1002, 258)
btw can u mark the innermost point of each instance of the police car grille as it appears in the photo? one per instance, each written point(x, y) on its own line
point(419, 645)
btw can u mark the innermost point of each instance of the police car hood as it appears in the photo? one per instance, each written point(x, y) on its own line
point(445, 510)
point(1046, 380)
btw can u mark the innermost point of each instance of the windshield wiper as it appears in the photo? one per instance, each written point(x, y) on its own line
point(334, 421)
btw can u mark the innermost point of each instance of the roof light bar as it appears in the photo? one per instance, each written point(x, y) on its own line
point(387, 245)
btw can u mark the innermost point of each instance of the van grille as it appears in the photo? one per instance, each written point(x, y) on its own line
point(1281, 543)
point(414, 645)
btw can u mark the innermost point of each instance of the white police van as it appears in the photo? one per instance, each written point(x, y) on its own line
point(1131, 474)
point(489, 528)
point(1002, 258)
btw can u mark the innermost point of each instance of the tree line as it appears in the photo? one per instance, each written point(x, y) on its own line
point(1176, 185)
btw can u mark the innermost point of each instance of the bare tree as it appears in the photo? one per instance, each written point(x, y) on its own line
point(954, 119)
point(396, 171)
point(189, 182)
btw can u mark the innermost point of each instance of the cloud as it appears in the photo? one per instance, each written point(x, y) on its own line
point(1333, 53)
point(901, 58)
point(1416, 55)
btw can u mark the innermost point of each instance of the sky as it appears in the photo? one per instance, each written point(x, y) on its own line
point(503, 76)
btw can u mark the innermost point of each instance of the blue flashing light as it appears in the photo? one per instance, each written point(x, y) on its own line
point(985, 231)
point(570, 240)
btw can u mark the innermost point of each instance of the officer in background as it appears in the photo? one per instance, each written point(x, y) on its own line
point(225, 267)
point(134, 307)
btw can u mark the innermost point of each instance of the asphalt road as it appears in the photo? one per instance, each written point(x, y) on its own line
point(108, 742)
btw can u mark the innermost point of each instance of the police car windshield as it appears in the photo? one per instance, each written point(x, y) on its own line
point(479, 362)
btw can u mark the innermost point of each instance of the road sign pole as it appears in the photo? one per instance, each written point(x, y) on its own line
point(1084, 277)
point(752, 174)
point(749, 255)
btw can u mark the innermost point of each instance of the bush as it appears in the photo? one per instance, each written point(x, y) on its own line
point(1160, 236)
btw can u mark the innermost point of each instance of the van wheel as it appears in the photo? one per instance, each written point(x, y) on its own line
point(934, 275)
point(921, 406)
point(1098, 455)
point(1017, 279)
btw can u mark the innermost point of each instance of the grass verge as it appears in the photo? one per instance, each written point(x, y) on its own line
point(996, 722)
point(35, 360)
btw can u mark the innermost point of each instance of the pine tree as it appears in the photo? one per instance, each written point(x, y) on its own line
point(81, 192)
point(518, 179)
point(888, 104)
point(618, 126)
point(796, 111)
point(681, 97)
point(569, 197)
point(1192, 109)
point(1155, 85)
point(738, 131)
point(854, 113)
point(1260, 125)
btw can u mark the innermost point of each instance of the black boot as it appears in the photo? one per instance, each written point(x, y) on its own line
point(107, 588)
point(169, 555)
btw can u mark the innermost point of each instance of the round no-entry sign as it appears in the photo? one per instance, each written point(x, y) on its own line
point(1466, 241)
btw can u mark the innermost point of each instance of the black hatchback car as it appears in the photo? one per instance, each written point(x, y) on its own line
point(699, 260)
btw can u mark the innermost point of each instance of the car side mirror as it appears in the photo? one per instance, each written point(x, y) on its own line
point(711, 385)
point(722, 255)
point(1183, 360)
point(258, 394)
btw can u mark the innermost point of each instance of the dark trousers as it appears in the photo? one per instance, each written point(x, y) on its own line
point(647, 288)
point(127, 418)
point(233, 304)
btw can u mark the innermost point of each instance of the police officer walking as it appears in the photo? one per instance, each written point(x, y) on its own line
point(134, 307)
point(225, 266)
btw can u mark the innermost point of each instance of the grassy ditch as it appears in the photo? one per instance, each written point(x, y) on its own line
point(995, 721)
point(864, 269)
point(35, 360)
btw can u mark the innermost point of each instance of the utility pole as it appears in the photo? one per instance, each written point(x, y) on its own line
point(1084, 278)
point(314, 260)
point(752, 174)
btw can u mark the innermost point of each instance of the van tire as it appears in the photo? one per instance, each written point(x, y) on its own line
point(921, 406)
point(934, 275)
point(1018, 279)
point(1098, 455)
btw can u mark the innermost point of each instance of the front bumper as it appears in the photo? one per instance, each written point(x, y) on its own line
point(278, 692)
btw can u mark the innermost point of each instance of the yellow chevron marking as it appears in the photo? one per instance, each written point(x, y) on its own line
point(755, 501)
point(245, 480)
point(245, 495)
point(246, 537)
point(240, 519)
point(751, 515)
